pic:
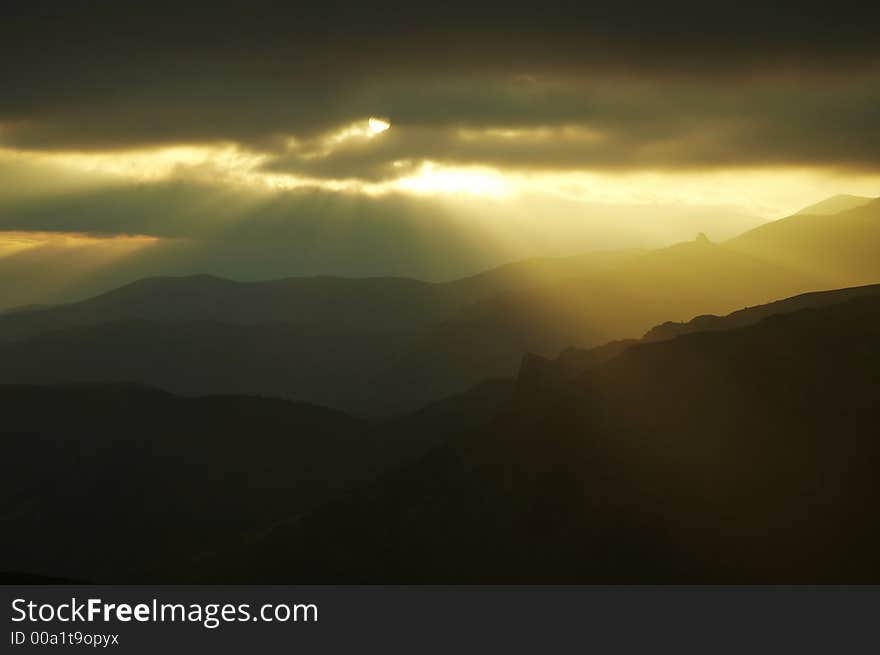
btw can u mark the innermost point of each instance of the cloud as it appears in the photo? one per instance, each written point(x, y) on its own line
point(665, 85)
point(187, 227)
point(237, 133)
point(633, 126)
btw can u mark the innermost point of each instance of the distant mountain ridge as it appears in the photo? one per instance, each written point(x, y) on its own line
point(751, 315)
point(573, 362)
point(839, 249)
point(836, 204)
point(382, 346)
point(378, 304)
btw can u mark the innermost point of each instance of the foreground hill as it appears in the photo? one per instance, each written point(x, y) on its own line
point(320, 366)
point(110, 483)
point(599, 305)
point(751, 315)
point(746, 455)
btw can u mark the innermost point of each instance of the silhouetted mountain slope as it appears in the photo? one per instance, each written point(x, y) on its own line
point(394, 305)
point(391, 305)
point(751, 315)
point(489, 337)
point(473, 406)
point(334, 368)
point(374, 346)
point(22, 309)
point(747, 455)
point(572, 362)
point(329, 366)
point(113, 483)
point(840, 249)
point(99, 479)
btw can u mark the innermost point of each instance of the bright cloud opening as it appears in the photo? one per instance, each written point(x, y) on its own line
point(377, 125)
point(432, 178)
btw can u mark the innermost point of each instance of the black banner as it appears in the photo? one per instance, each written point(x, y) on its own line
point(154, 619)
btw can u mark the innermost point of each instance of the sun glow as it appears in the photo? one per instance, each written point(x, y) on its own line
point(363, 130)
point(764, 192)
point(432, 179)
point(377, 125)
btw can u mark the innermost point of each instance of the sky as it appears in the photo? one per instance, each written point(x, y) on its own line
point(262, 139)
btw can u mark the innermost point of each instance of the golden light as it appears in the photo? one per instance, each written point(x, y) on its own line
point(377, 125)
point(13, 242)
point(434, 179)
point(766, 192)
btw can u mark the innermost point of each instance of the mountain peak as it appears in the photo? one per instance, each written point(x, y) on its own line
point(835, 204)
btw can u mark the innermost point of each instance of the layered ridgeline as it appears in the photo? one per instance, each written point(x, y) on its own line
point(729, 456)
point(389, 345)
point(107, 483)
point(742, 453)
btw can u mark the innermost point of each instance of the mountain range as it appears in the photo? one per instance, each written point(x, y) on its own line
point(383, 346)
point(113, 482)
point(744, 453)
point(739, 456)
point(196, 425)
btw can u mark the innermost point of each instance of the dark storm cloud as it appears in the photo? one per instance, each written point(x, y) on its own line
point(665, 84)
point(643, 126)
